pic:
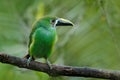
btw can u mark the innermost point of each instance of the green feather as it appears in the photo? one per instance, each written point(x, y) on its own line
point(42, 42)
point(43, 37)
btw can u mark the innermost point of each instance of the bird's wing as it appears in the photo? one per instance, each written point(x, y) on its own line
point(30, 41)
point(30, 36)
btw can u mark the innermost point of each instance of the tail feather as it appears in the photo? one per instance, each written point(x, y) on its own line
point(27, 57)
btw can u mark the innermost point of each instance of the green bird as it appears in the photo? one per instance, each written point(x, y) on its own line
point(43, 37)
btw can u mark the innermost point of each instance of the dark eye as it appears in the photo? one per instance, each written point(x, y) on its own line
point(53, 21)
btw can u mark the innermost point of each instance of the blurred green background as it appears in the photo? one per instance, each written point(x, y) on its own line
point(93, 42)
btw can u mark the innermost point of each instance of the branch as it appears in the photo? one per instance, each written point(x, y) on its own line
point(60, 70)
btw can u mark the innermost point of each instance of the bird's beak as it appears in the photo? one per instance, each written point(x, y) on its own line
point(63, 22)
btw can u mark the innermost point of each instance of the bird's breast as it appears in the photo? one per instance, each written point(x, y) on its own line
point(45, 35)
point(42, 42)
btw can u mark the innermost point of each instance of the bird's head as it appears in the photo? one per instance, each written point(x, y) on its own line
point(53, 22)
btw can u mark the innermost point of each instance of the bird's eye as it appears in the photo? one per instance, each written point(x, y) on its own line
point(53, 21)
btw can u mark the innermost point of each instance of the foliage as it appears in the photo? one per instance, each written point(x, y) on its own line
point(93, 42)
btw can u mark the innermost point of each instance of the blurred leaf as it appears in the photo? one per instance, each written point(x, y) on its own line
point(93, 42)
point(14, 31)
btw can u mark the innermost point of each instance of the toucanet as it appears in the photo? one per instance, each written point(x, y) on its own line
point(43, 37)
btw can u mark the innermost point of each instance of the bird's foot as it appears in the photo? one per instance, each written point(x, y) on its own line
point(49, 64)
point(29, 60)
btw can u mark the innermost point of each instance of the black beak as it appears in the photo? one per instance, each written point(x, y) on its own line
point(63, 22)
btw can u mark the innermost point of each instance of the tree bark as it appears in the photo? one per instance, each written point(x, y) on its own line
point(60, 70)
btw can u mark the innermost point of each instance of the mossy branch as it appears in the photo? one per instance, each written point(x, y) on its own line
point(60, 70)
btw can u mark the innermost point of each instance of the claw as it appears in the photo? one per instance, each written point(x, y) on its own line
point(49, 64)
point(29, 60)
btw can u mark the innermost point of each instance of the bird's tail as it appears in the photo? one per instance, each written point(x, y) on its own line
point(27, 57)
